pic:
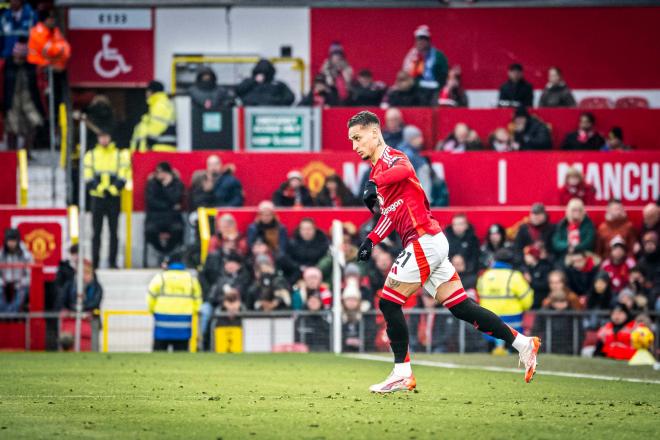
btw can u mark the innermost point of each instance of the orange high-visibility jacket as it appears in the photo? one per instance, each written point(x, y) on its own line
point(47, 47)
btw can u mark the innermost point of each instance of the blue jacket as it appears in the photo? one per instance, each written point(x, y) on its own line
point(228, 190)
point(13, 29)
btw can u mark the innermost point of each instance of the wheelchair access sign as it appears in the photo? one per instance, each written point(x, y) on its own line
point(111, 47)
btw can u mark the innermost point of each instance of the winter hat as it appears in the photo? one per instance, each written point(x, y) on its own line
point(410, 132)
point(624, 308)
point(336, 47)
point(617, 241)
point(156, 86)
point(538, 208)
point(294, 174)
point(602, 275)
point(12, 234)
point(422, 31)
point(352, 269)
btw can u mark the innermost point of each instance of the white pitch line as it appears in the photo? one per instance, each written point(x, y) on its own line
point(451, 365)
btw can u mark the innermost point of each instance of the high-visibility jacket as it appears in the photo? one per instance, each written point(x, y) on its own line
point(47, 47)
point(157, 129)
point(106, 170)
point(505, 292)
point(174, 296)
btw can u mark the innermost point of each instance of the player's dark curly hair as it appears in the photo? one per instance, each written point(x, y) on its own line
point(364, 118)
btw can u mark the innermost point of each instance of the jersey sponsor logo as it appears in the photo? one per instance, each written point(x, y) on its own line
point(392, 207)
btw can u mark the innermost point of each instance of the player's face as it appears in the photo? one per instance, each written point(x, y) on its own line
point(364, 139)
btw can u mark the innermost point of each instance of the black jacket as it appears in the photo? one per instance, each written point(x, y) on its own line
point(330, 98)
point(162, 201)
point(228, 190)
point(282, 199)
point(524, 237)
point(536, 136)
point(269, 92)
point(307, 253)
point(516, 94)
point(539, 281)
point(466, 245)
point(365, 96)
point(209, 95)
point(558, 95)
point(571, 142)
point(92, 297)
point(405, 98)
point(10, 72)
point(579, 281)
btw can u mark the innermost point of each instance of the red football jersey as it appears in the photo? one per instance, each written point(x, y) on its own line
point(403, 203)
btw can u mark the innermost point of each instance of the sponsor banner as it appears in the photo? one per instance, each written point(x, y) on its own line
point(278, 129)
point(112, 47)
point(473, 179)
point(43, 232)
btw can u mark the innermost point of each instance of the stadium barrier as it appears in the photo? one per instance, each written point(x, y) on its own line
point(26, 325)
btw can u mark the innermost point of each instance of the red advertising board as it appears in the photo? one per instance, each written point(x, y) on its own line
point(111, 47)
point(8, 174)
point(473, 179)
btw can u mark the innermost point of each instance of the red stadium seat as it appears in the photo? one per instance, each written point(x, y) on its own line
point(632, 102)
point(595, 102)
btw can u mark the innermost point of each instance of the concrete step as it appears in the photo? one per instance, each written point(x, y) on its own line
point(125, 289)
point(40, 187)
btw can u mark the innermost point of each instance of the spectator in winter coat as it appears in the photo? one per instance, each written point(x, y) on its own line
point(14, 281)
point(536, 228)
point(267, 227)
point(404, 93)
point(581, 268)
point(293, 192)
point(336, 71)
point(536, 269)
point(615, 141)
point(616, 224)
point(600, 295)
point(462, 240)
point(92, 292)
point(558, 285)
point(649, 263)
point(585, 137)
point(227, 239)
point(203, 184)
point(311, 284)
point(529, 133)
point(321, 95)
point(439, 190)
point(206, 94)
point(575, 232)
point(576, 188)
point(393, 129)
point(462, 139)
point(263, 89)
point(495, 240)
point(307, 245)
point(614, 337)
point(426, 65)
point(313, 330)
point(164, 198)
point(335, 193)
point(227, 190)
point(269, 291)
point(452, 94)
point(468, 279)
point(412, 146)
point(234, 273)
point(650, 219)
point(516, 92)
point(66, 271)
point(556, 92)
point(365, 92)
point(500, 140)
point(618, 264)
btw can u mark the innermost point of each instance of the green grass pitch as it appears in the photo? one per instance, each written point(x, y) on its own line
point(290, 396)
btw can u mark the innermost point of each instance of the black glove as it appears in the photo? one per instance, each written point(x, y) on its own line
point(364, 253)
point(369, 196)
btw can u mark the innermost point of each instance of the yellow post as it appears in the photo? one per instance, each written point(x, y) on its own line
point(63, 135)
point(74, 227)
point(193, 333)
point(204, 231)
point(104, 323)
point(127, 208)
point(22, 177)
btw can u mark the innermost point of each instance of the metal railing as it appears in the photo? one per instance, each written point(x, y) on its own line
point(30, 317)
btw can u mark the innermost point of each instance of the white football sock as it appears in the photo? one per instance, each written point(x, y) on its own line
point(521, 342)
point(403, 369)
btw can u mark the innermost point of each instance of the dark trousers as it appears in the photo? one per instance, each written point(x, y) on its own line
point(105, 207)
point(163, 345)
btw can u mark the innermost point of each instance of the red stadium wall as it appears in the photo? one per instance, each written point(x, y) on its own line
point(641, 127)
point(474, 179)
point(595, 47)
point(8, 180)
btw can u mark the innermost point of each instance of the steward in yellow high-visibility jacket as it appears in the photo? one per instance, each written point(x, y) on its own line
point(156, 131)
point(505, 291)
point(106, 170)
point(174, 297)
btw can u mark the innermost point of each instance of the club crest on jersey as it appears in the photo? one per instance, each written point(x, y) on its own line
point(392, 207)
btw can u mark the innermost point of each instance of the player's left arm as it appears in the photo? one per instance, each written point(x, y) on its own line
point(400, 170)
point(383, 228)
